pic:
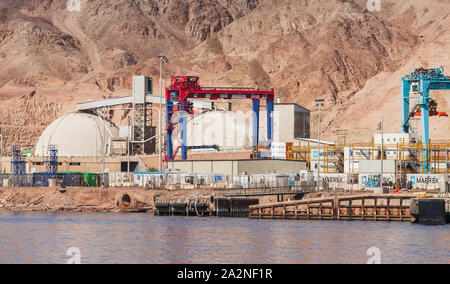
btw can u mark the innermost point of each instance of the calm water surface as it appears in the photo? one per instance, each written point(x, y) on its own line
point(143, 238)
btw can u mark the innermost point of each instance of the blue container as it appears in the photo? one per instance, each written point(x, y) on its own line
point(41, 179)
point(72, 179)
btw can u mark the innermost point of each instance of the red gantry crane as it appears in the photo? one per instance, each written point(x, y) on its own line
point(183, 88)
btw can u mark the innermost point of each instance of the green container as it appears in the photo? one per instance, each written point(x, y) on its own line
point(91, 179)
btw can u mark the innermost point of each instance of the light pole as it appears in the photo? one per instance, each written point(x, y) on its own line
point(128, 147)
point(381, 128)
point(161, 57)
point(104, 146)
point(319, 103)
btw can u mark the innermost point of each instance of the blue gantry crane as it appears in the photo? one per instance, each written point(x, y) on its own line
point(421, 82)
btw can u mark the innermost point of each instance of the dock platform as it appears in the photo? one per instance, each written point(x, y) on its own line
point(364, 208)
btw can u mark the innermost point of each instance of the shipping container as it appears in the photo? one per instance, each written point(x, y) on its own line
point(72, 179)
point(88, 180)
point(41, 179)
point(120, 179)
point(427, 182)
point(372, 180)
point(334, 181)
point(374, 166)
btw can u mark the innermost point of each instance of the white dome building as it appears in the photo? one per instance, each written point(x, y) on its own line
point(76, 135)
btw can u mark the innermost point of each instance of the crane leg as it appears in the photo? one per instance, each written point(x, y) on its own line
point(270, 109)
point(184, 134)
point(406, 87)
point(426, 136)
point(169, 109)
point(256, 108)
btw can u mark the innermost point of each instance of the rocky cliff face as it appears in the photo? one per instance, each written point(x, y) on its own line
point(305, 49)
point(32, 45)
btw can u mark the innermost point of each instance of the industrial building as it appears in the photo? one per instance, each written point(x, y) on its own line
point(238, 167)
point(292, 122)
point(84, 137)
point(202, 137)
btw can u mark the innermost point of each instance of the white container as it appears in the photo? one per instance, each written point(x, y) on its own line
point(120, 179)
point(370, 181)
point(244, 181)
point(374, 166)
point(427, 182)
point(335, 181)
point(279, 150)
point(392, 139)
point(282, 181)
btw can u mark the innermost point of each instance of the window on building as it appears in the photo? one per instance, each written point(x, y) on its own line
point(124, 166)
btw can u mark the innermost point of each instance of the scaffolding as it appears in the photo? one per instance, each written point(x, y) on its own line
point(52, 161)
point(410, 157)
point(18, 167)
point(142, 119)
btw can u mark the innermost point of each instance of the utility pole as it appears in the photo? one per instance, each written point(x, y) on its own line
point(128, 147)
point(104, 146)
point(319, 103)
point(161, 57)
point(382, 150)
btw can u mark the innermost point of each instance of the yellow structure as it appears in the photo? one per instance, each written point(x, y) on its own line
point(409, 157)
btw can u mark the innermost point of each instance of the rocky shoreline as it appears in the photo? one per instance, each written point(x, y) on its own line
point(83, 199)
point(117, 199)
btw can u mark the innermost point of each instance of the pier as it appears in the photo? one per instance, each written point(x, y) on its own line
point(260, 192)
point(363, 208)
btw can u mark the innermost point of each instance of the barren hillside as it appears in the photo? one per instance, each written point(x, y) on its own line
point(52, 58)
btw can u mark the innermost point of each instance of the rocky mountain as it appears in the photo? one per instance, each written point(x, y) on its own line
point(52, 57)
